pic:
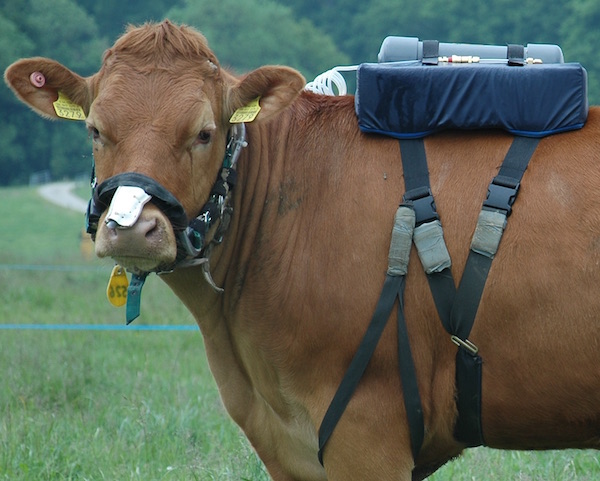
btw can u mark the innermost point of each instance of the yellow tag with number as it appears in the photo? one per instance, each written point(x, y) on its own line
point(117, 287)
point(247, 113)
point(66, 109)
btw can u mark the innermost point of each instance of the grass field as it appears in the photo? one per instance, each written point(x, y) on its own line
point(114, 405)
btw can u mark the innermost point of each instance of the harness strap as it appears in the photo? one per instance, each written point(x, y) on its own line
point(190, 236)
point(468, 428)
point(457, 308)
point(393, 288)
point(414, 166)
point(502, 194)
point(418, 192)
point(419, 201)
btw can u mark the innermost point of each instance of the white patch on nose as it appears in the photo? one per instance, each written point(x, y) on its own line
point(126, 206)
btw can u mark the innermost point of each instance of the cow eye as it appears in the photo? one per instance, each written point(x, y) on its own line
point(203, 137)
point(94, 133)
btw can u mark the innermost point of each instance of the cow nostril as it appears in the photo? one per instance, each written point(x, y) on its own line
point(151, 228)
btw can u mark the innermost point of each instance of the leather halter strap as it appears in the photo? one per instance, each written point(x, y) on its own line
point(193, 246)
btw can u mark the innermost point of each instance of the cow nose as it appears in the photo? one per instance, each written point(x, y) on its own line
point(121, 237)
point(146, 245)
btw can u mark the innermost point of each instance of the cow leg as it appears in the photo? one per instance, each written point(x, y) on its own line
point(357, 453)
point(292, 468)
point(372, 466)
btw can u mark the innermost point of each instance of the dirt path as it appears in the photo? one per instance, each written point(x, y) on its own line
point(61, 193)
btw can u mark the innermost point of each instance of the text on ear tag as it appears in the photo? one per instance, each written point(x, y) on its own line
point(66, 109)
point(247, 113)
point(116, 291)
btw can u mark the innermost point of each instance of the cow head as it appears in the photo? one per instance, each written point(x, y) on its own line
point(158, 113)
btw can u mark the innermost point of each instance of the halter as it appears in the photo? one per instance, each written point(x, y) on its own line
point(192, 246)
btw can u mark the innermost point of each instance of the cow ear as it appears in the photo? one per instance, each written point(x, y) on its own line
point(277, 88)
point(38, 81)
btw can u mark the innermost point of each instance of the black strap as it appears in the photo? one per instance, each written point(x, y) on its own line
point(468, 428)
point(443, 290)
point(457, 308)
point(410, 388)
point(517, 158)
point(418, 192)
point(502, 194)
point(431, 51)
point(393, 288)
point(469, 294)
point(515, 55)
point(414, 165)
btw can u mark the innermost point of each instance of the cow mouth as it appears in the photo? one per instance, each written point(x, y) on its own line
point(142, 265)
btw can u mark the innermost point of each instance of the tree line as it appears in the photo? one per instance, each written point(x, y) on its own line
point(309, 35)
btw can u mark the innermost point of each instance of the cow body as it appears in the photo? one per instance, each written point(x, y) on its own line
point(304, 259)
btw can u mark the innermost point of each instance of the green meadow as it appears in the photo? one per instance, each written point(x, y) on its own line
point(135, 405)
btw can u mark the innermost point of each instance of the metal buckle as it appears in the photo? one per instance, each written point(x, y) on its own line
point(465, 344)
point(191, 241)
point(235, 143)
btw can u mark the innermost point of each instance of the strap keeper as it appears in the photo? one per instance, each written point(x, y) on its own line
point(488, 232)
point(432, 250)
point(401, 243)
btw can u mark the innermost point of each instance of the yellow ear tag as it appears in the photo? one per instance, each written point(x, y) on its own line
point(247, 113)
point(66, 109)
point(116, 292)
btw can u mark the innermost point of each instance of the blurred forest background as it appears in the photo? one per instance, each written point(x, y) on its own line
point(310, 35)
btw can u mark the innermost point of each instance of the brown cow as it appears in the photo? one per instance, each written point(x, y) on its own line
point(303, 260)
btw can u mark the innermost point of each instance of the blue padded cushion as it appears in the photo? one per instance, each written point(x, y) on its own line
point(411, 101)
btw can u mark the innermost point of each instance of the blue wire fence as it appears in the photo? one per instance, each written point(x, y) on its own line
point(97, 327)
point(82, 327)
point(51, 267)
